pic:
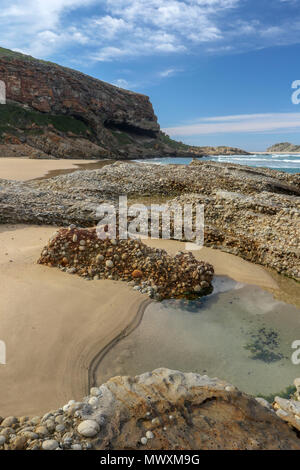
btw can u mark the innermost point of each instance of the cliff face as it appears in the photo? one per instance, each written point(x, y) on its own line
point(53, 111)
point(104, 109)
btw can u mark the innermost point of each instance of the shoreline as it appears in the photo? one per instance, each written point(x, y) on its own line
point(56, 354)
point(28, 169)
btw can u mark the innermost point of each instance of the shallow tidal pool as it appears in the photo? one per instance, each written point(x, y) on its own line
point(240, 333)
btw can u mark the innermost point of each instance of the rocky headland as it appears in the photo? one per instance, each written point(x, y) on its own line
point(284, 147)
point(56, 112)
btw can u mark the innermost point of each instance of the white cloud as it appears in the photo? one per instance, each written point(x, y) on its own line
point(122, 27)
point(116, 29)
point(268, 122)
point(34, 26)
point(121, 83)
point(169, 72)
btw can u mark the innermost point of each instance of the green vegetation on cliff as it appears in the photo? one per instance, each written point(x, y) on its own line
point(14, 118)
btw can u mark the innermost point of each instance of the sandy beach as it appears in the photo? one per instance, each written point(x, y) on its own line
point(24, 169)
point(54, 323)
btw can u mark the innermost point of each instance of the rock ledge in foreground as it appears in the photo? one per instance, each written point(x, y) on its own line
point(159, 410)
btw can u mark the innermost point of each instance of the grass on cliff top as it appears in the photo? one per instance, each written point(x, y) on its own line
point(9, 54)
point(16, 117)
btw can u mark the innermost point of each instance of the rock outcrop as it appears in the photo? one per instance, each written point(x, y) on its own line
point(284, 147)
point(289, 409)
point(149, 270)
point(252, 213)
point(161, 410)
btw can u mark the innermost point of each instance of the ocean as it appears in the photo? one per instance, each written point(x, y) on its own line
point(282, 162)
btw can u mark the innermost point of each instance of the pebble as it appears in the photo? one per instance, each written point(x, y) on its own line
point(8, 422)
point(76, 447)
point(50, 444)
point(60, 428)
point(88, 428)
point(93, 401)
point(42, 430)
point(144, 441)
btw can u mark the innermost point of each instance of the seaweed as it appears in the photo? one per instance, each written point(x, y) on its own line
point(264, 346)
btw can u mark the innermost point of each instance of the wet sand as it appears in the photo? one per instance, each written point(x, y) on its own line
point(55, 324)
point(23, 169)
point(224, 264)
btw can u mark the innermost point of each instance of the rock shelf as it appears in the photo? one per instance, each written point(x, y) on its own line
point(167, 410)
point(252, 213)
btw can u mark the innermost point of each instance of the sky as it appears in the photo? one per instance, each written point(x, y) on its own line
point(218, 72)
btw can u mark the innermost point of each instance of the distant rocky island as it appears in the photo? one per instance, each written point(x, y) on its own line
point(56, 112)
point(285, 147)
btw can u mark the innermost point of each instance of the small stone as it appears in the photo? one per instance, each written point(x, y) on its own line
point(60, 428)
point(144, 441)
point(137, 274)
point(95, 392)
point(109, 264)
point(263, 402)
point(149, 435)
point(19, 443)
point(42, 430)
point(197, 289)
point(75, 238)
point(50, 444)
point(93, 401)
point(88, 428)
point(2, 440)
point(76, 447)
point(8, 422)
point(230, 388)
point(99, 259)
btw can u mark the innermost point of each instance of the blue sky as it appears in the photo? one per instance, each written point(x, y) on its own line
point(218, 72)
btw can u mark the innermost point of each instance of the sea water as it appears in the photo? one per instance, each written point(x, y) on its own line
point(286, 162)
point(240, 333)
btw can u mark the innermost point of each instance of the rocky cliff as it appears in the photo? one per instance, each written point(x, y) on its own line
point(53, 111)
